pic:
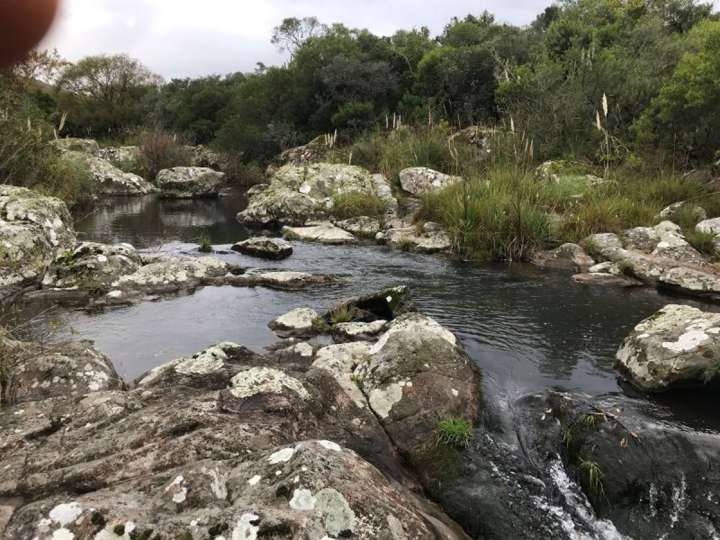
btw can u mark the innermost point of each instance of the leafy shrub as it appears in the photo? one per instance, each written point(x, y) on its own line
point(355, 204)
point(161, 150)
point(242, 174)
point(69, 179)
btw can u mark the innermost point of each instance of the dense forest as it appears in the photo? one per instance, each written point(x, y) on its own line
point(630, 88)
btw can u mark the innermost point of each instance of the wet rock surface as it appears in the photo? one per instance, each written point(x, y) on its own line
point(264, 248)
point(567, 257)
point(421, 240)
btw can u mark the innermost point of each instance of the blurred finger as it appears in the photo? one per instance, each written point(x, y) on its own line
point(23, 23)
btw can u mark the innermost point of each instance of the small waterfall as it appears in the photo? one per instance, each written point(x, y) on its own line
point(575, 513)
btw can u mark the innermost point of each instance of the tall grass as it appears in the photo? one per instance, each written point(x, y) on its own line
point(355, 204)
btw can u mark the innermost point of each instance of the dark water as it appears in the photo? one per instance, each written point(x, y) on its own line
point(528, 329)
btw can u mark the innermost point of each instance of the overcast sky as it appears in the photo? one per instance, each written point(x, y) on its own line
point(181, 38)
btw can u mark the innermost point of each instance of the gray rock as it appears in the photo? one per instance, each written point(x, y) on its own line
point(189, 182)
point(359, 330)
point(323, 233)
point(34, 231)
point(362, 226)
point(170, 273)
point(297, 322)
point(421, 180)
point(123, 157)
point(32, 372)
point(111, 181)
point(264, 248)
point(408, 239)
point(86, 146)
point(709, 226)
point(92, 266)
point(297, 195)
point(279, 279)
point(678, 347)
point(566, 257)
point(641, 238)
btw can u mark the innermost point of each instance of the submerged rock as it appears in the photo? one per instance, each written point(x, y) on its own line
point(678, 347)
point(189, 182)
point(264, 248)
point(421, 180)
point(323, 233)
point(297, 195)
point(280, 279)
point(34, 230)
point(566, 257)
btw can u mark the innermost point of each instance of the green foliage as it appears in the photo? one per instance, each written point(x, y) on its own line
point(340, 315)
point(703, 242)
point(205, 246)
point(591, 480)
point(493, 217)
point(453, 432)
point(686, 113)
point(105, 94)
point(356, 204)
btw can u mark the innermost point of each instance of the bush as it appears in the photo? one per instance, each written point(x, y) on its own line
point(161, 150)
point(242, 174)
point(495, 218)
point(27, 159)
point(355, 204)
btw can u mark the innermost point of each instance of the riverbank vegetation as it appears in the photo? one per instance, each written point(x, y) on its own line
point(630, 91)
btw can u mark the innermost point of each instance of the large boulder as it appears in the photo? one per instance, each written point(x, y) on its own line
point(709, 226)
point(677, 348)
point(34, 231)
point(264, 248)
point(312, 152)
point(421, 180)
point(323, 233)
point(110, 180)
point(223, 443)
point(92, 266)
point(297, 195)
point(86, 146)
point(189, 182)
point(298, 322)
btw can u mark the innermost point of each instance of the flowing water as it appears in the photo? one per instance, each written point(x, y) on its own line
point(528, 329)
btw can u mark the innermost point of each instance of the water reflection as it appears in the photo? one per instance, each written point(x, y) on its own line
point(528, 329)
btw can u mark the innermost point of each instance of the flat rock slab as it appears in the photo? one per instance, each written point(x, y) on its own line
point(323, 233)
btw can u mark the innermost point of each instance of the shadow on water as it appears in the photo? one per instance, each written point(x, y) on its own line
point(526, 328)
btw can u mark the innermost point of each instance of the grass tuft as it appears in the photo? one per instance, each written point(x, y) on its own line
point(356, 204)
point(453, 433)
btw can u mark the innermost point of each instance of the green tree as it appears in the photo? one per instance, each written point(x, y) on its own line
point(105, 94)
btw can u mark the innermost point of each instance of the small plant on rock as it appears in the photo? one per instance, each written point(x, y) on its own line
point(342, 314)
point(205, 246)
point(703, 242)
point(453, 432)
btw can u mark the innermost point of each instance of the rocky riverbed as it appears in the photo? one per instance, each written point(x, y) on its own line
point(399, 413)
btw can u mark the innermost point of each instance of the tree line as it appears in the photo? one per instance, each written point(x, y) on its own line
point(589, 79)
